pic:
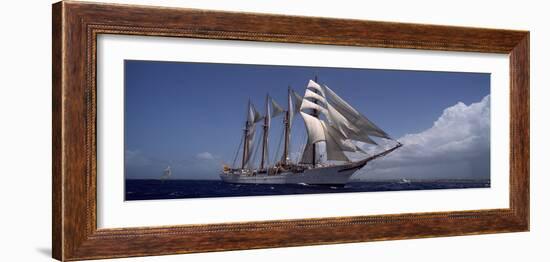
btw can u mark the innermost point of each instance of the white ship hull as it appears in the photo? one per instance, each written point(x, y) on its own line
point(330, 175)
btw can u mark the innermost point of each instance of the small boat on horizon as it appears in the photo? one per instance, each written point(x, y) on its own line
point(404, 181)
point(166, 174)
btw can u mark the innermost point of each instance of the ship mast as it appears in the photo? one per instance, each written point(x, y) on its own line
point(245, 145)
point(315, 114)
point(245, 135)
point(265, 134)
point(287, 129)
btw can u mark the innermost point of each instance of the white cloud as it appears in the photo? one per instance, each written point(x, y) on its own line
point(456, 146)
point(205, 156)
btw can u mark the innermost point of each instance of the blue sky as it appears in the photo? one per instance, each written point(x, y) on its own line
point(190, 115)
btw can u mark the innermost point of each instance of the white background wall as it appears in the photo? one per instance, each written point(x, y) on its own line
point(25, 147)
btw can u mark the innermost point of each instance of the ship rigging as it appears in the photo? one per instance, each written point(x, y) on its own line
point(333, 128)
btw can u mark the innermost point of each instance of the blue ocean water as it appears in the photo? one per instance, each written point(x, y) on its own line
point(149, 189)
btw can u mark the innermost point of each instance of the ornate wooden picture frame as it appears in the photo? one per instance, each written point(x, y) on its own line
point(76, 26)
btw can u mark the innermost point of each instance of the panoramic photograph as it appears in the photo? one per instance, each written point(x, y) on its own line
point(201, 130)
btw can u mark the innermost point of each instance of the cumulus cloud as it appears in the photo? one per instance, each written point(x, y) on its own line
point(205, 156)
point(456, 146)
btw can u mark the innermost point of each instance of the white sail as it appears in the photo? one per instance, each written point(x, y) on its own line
point(292, 105)
point(315, 86)
point(315, 97)
point(359, 121)
point(363, 137)
point(314, 128)
point(265, 138)
point(307, 155)
point(338, 121)
point(337, 138)
point(344, 124)
point(297, 101)
point(348, 129)
point(272, 109)
point(334, 145)
point(306, 104)
point(294, 102)
point(276, 109)
point(253, 116)
point(250, 144)
point(312, 104)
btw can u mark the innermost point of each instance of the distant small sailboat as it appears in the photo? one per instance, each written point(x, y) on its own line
point(166, 174)
point(404, 181)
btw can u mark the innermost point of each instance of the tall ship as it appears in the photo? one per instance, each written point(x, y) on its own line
point(333, 129)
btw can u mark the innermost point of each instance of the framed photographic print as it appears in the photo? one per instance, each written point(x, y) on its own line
point(181, 130)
